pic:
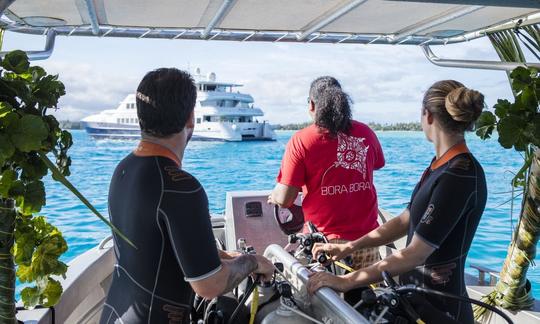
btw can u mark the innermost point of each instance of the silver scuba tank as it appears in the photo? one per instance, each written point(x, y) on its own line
point(284, 315)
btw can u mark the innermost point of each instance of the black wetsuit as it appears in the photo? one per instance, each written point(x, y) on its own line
point(164, 212)
point(445, 210)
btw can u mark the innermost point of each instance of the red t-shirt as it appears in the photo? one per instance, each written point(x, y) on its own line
point(336, 177)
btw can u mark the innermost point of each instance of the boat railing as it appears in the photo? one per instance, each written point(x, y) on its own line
point(101, 245)
point(482, 271)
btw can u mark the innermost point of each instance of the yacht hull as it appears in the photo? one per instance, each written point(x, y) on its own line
point(214, 132)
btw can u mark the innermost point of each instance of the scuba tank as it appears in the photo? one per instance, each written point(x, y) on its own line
point(283, 315)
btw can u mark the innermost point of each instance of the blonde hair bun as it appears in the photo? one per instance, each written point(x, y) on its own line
point(464, 105)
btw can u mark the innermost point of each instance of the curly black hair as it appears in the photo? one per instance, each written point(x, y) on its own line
point(332, 105)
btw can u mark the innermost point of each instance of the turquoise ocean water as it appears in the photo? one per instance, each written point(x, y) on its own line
point(223, 167)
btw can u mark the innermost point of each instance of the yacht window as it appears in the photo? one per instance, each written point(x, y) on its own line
point(198, 120)
point(118, 120)
point(207, 118)
point(211, 87)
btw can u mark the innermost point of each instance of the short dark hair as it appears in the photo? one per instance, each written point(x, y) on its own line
point(332, 105)
point(165, 100)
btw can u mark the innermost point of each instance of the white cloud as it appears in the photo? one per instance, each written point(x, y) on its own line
point(385, 82)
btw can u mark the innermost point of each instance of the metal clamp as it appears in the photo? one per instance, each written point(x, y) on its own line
point(473, 64)
point(44, 54)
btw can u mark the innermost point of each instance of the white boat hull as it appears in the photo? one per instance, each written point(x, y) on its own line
point(210, 131)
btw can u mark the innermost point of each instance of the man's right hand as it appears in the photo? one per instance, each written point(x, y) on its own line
point(264, 267)
point(335, 251)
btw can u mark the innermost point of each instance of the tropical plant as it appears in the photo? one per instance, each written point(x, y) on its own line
point(28, 136)
point(518, 127)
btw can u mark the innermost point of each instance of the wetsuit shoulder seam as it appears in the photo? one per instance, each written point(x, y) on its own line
point(459, 175)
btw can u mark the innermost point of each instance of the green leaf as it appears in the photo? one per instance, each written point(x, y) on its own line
point(6, 180)
point(501, 108)
point(37, 72)
point(23, 248)
point(521, 77)
point(45, 258)
point(28, 133)
point(33, 198)
point(51, 294)
point(5, 108)
point(66, 139)
point(485, 125)
point(30, 296)
point(510, 131)
point(6, 148)
point(17, 189)
point(33, 167)
point(46, 295)
point(16, 61)
point(528, 99)
point(8, 119)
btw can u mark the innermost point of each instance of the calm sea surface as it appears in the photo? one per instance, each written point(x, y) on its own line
point(223, 167)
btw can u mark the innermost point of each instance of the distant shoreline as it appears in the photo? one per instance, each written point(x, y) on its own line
point(413, 126)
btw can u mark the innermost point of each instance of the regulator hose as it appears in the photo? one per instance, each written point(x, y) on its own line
point(428, 291)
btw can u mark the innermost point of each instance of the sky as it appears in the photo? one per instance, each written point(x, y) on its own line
point(385, 82)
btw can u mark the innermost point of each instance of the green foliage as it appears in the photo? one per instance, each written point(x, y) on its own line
point(517, 123)
point(26, 131)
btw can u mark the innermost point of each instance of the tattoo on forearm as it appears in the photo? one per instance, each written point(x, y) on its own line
point(240, 268)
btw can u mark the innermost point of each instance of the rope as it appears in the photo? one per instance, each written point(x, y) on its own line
point(254, 305)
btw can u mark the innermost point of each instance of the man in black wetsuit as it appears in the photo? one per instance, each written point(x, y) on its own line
point(163, 210)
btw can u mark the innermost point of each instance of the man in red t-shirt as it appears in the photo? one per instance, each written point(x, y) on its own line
point(332, 162)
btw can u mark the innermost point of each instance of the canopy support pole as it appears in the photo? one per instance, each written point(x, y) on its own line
point(4, 4)
point(473, 64)
point(425, 25)
point(330, 18)
point(221, 13)
point(44, 54)
point(94, 22)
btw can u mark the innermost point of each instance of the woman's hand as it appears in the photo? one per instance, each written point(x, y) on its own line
point(335, 251)
point(324, 279)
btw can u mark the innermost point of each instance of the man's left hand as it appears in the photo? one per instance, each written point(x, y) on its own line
point(324, 279)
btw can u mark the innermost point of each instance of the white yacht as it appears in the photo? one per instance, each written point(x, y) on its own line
point(221, 113)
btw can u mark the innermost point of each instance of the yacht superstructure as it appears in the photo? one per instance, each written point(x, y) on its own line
point(221, 113)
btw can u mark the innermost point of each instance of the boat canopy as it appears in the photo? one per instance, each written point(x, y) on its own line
point(396, 22)
point(319, 21)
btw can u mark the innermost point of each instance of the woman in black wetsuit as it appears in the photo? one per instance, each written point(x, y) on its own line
point(442, 215)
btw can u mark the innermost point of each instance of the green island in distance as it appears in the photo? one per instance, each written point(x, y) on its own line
point(411, 126)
